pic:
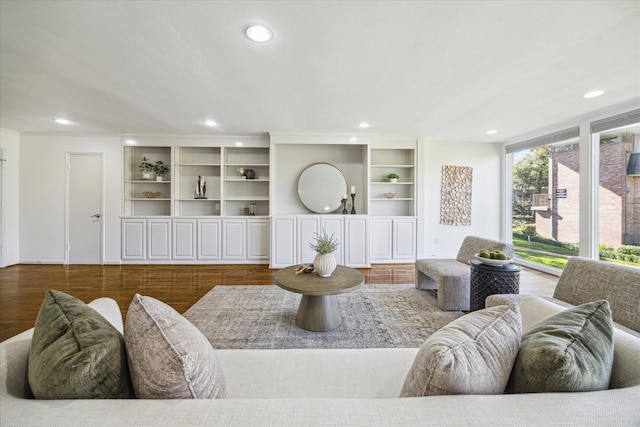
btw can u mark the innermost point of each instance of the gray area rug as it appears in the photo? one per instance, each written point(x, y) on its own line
point(244, 317)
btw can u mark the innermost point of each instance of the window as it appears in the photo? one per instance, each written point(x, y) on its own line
point(618, 142)
point(545, 198)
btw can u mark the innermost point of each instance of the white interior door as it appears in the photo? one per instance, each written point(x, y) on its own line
point(2, 208)
point(84, 209)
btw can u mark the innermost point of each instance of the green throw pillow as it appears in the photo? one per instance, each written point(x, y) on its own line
point(569, 351)
point(76, 353)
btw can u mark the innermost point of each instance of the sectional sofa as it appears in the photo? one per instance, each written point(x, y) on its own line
point(321, 387)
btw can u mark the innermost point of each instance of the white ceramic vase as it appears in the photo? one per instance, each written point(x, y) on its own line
point(324, 264)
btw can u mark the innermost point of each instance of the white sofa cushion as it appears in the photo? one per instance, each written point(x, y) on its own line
point(169, 358)
point(363, 373)
point(473, 354)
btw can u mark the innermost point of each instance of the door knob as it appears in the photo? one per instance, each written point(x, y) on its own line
point(95, 216)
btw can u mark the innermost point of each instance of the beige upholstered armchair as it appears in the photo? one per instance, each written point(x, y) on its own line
point(451, 277)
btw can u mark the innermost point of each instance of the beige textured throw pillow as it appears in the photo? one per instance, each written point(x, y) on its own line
point(471, 355)
point(169, 358)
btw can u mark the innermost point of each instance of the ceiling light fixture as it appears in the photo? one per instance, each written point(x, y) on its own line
point(259, 33)
point(593, 93)
point(363, 125)
point(492, 132)
point(210, 123)
point(130, 142)
point(62, 121)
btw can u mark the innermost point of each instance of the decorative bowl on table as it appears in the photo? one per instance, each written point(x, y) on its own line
point(389, 195)
point(492, 261)
point(151, 194)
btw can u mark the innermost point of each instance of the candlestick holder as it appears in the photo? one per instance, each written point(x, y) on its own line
point(353, 203)
point(344, 206)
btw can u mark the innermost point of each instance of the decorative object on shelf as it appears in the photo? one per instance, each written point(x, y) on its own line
point(455, 196)
point(252, 209)
point(247, 173)
point(344, 204)
point(151, 194)
point(393, 177)
point(320, 186)
point(146, 167)
point(324, 261)
point(160, 169)
point(201, 188)
point(389, 195)
point(353, 200)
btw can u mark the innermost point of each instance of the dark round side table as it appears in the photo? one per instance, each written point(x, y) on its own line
point(490, 280)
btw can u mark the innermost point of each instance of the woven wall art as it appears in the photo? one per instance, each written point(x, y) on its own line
point(455, 195)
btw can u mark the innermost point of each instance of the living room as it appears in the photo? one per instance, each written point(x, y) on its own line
point(349, 84)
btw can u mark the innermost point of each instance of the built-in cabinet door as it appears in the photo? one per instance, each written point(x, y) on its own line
point(333, 225)
point(306, 229)
point(283, 241)
point(233, 239)
point(404, 241)
point(309, 227)
point(134, 239)
point(257, 239)
point(356, 241)
point(381, 239)
point(209, 239)
point(184, 239)
point(159, 239)
point(393, 239)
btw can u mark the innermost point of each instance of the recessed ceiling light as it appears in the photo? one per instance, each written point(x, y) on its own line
point(210, 123)
point(492, 132)
point(259, 33)
point(593, 93)
point(62, 121)
point(363, 125)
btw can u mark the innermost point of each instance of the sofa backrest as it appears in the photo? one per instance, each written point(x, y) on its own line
point(584, 280)
point(471, 245)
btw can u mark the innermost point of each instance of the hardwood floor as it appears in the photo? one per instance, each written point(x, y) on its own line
point(22, 287)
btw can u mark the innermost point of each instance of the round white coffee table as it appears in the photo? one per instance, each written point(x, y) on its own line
point(319, 310)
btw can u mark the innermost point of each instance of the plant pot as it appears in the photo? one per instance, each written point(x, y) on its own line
point(159, 178)
point(146, 176)
point(324, 264)
point(393, 179)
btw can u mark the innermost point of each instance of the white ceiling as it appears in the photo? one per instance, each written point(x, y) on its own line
point(447, 71)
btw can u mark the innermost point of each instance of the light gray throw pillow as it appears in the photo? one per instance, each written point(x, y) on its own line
point(473, 354)
point(169, 358)
point(76, 353)
point(569, 351)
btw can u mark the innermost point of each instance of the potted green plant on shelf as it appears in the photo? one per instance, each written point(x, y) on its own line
point(324, 262)
point(393, 177)
point(160, 169)
point(146, 167)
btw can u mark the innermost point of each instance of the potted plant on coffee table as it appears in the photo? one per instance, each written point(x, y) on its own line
point(324, 262)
